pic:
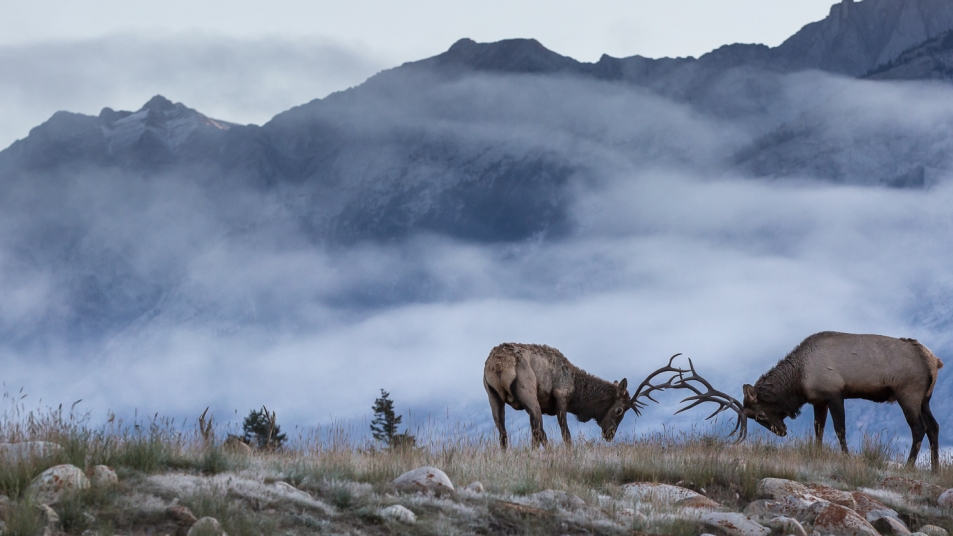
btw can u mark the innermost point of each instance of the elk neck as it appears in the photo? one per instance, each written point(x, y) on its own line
point(783, 385)
point(591, 396)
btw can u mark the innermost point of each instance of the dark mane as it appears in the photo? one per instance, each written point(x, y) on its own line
point(592, 397)
point(782, 386)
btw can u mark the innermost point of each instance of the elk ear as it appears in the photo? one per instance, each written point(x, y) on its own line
point(620, 387)
point(751, 396)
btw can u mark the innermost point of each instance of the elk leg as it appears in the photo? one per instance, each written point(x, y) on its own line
point(820, 420)
point(499, 412)
point(933, 433)
point(527, 398)
point(561, 402)
point(836, 405)
point(917, 429)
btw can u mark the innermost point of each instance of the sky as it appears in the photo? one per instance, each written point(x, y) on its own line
point(245, 61)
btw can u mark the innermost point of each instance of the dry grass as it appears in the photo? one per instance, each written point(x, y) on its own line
point(352, 476)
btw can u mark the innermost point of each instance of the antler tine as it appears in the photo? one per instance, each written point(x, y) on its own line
point(647, 382)
point(724, 400)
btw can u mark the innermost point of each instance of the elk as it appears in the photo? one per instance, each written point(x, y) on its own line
point(540, 380)
point(828, 367)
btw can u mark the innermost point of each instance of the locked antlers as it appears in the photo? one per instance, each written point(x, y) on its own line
point(681, 379)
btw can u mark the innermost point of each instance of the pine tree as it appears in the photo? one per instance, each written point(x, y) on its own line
point(384, 425)
point(258, 425)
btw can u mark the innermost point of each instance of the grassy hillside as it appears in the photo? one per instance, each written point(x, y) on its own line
point(349, 482)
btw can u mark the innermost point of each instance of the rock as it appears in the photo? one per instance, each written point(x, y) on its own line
point(291, 492)
point(51, 520)
point(834, 495)
point(871, 508)
point(4, 507)
point(235, 445)
point(933, 530)
point(803, 507)
point(424, 479)
point(784, 525)
point(910, 486)
point(700, 502)
point(552, 498)
point(733, 524)
point(399, 513)
point(945, 500)
point(655, 492)
point(760, 508)
point(888, 526)
point(778, 488)
point(28, 450)
point(181, 515)
point(207, 526)
point(50, 485)
point(842, 521)
point(475, 487)
point(102, 476)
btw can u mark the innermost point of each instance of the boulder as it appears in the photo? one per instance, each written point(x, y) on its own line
point(890, 526)
point(842, 521)
point(475, 487)
point(660, 493)
point(910, 486)
point(14, 453)
point(207, 526)
point(50, 485)
point(50, 519)
point(945, 500)
point(778, 488)
point(552, 498)
point(784, 525)
point(871, 508)
point(399, 513)
point(102, 476)
point(424, 479)
point(833, 495)
point(287, 490)
point(700, 502)
point(933, 530)
point(805, 508)
point(733, 524)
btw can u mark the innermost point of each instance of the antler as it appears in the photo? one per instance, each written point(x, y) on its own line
point(205, 428)
point(647, 382)
point(679, 380)
point(270, 418)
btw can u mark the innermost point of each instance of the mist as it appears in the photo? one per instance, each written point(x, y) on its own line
point(670, 248)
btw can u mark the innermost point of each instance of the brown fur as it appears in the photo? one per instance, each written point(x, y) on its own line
point(828, 367)
point(540, 380)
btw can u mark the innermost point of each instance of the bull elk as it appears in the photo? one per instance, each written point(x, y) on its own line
point(540, 380)
point(828, 367)
point(824, 370)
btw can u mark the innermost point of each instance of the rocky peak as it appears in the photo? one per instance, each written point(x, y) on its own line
point(161, 104)
point(509, 55)
point(858, 36)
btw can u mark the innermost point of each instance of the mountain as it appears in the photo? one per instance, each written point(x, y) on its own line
point(858, 36)
point(931, 60)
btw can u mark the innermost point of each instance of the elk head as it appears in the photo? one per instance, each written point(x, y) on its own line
point(620, 404)
point(767, 415)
